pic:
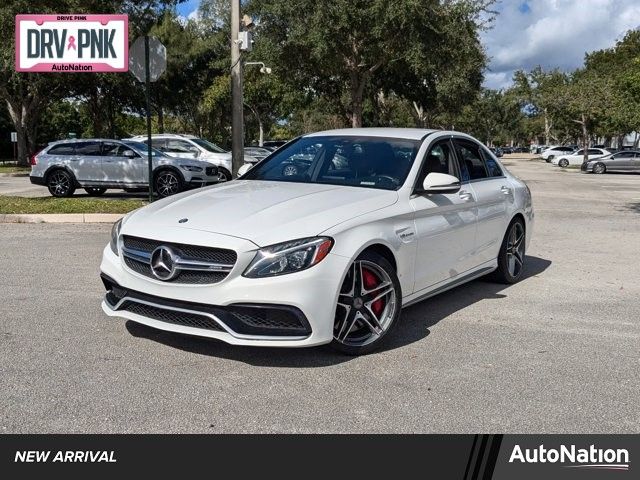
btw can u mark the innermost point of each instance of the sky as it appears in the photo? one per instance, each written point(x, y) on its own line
point(550, 33)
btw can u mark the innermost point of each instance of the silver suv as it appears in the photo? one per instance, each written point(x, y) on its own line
point(189, 146)
point(99, 164)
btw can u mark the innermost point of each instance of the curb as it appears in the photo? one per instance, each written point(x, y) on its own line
point(61, 217)
point(16, 174)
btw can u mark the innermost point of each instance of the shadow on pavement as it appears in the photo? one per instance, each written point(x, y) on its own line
point(414, 326)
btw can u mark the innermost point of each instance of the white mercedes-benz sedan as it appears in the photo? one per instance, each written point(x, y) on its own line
point(307, 249)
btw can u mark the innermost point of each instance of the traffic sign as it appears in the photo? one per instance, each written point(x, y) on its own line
point(157, 59)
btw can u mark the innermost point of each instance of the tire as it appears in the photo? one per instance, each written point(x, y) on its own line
point(167, 182)
point(550, 158)
point(363, 322)
point(563, 162)
point(223, 174)
point(599, 168)
point(61, 183)
point(512, 254)
point(95, 191)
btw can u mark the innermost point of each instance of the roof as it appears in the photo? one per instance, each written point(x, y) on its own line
point(409, 133)
point(181, 135)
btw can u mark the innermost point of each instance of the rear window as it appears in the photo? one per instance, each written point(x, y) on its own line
point(62, 149)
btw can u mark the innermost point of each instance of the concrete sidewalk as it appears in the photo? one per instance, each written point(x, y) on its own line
point(61, 218)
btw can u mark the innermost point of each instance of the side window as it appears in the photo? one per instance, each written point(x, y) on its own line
point(493, 169)
point(471, 164)
point(159, 143)
point(62, 149)
point(88, 149)
point(178, 146)
point(593, 151)
point(440, 159)
point(110, 149)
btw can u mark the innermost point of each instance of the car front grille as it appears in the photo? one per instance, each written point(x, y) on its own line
point(243, 319)
point(137, 253)
point(186, 319)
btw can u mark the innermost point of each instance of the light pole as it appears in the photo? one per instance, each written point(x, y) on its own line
point(237, 122)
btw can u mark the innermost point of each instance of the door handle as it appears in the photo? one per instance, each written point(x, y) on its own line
point(464, 195)
point(505, 190)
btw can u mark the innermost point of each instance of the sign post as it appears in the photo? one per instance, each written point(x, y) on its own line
point(147, 61)
point(14, 140)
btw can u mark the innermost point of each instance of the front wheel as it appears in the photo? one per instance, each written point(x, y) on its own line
point(511, 256)
point(599, 168)
point(167, 183)
point(550, 158)
point(224, 175)
point(368, 306)
point(564, 163)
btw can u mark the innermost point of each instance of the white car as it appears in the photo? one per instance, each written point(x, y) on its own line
point(99, 164)
point(189, 146)
point(578, 157)
point(550, 153)
point(328, 255)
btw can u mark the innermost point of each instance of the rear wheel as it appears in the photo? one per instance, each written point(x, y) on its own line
point(511, 256)
point(95, 191)
point(61, 183)
point(167, 182)
point(599, 168)
point(564, 163)
point(368, 306)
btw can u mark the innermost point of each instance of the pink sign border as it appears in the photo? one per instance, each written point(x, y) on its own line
point(98, 67)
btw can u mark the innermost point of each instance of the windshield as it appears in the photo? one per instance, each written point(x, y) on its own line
point(141, 148)
point(212, 147)
point(369, 162)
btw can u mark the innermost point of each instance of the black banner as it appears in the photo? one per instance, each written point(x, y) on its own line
point(464, 457)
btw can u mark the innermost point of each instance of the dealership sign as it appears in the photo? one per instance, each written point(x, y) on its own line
point(72, 43)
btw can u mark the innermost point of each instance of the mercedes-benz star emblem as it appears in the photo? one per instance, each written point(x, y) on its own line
point(163, 263)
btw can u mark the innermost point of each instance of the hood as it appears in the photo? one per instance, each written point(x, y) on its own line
point(262, 212)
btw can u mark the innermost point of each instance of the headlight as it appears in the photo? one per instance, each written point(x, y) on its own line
point(191, 168)
point(115, 232)
point(288, 257)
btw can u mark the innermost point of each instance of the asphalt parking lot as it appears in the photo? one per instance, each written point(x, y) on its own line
point(557, 352)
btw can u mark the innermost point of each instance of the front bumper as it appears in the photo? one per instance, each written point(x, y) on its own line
point(295, 310)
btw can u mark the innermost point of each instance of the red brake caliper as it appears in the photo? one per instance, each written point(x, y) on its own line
point(370, 282)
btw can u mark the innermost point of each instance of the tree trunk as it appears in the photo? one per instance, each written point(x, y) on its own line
point(585, 140)
point(160, 119)
point(547, 129)
point(18, 116)
point(358, 82)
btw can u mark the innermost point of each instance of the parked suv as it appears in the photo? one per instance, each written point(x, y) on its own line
point(99, 164)
point(189, 146)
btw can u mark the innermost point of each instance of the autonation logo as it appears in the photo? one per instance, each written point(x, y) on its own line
point(592, 457)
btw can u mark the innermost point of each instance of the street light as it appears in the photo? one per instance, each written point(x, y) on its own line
point(263, 67)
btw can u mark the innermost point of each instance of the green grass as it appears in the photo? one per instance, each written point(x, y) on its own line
point(66, 205)
point(8, 168)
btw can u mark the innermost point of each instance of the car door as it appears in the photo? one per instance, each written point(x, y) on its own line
point(445, 223)
point(86, 162)
point(122, 165)
point(492, 192)
point(635, 166)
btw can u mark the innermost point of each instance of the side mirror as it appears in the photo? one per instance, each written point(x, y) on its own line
point(440, 183)
point(129, 154)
